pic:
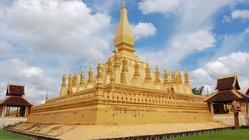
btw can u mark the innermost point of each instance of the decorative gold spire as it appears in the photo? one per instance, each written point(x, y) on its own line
point(75, 79)
point(173, 77)
point(70, 84)
point(179, 77)
point(125, 72)
point(116, 59)
point(99, 74)
point(82, 77)
point(90, 81)
point(186, 80)
point(90, 74)
point(46, 98)
point(109, 66)
point(124, 39)
point(165, 76)
point(147, 72)
point(63, 84)
point(136, 69)
point(157, 75)
point(123, 4)
point(99, 71)
point(64, 79)
point(70, 80)
point(157, 82)
point(82, 80)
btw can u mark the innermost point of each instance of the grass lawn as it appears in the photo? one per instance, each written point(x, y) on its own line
point(241, 134)
point(10, 136)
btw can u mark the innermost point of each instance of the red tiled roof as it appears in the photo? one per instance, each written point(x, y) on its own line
point(15, 101)
point(227, 83)
point(227, 95)
point(15, 90)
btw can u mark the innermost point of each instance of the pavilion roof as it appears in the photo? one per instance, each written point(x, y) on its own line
point(227, 95)
point(15, 101)
point(227, 90)
point(15, 90)
point(227, 83)
point(247, 92)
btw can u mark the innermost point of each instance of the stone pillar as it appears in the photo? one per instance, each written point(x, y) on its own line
point(26, 111)
point(3, 111)
point(211, 107)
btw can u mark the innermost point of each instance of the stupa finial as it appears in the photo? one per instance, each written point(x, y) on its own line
point(123, 4)
point(124, 38)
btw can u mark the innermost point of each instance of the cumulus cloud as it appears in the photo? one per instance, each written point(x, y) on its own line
point(143, 29)
point(42, 38)
point(18, 71)
point(189, 35)
point(199, 40)
point(182, 45)
point(233, 63)
point(158, 6)
point(32, 71)
point(241, 14)
point(231, 43)
point(57, 27)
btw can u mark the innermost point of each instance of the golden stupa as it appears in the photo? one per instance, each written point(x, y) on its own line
point(124, 91)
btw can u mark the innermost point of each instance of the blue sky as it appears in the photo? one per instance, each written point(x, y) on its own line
point(39, 39)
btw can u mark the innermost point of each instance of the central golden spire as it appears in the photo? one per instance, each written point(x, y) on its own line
point(124, 39)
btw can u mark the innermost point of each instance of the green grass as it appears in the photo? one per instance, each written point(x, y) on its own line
point(240, 134)
point(11, 136)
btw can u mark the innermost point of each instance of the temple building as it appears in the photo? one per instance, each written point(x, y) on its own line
point(123, 91)
point(14, 99)
point(227, 91)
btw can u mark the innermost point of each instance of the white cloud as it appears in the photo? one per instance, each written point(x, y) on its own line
point(180, 46)
point(143, 29)
point(233, 63)
point(32, 71)
point(42, 38)
point(158, 6)
point(18, 71)
point(231, 43)
point(240, 14)
point(57, 27)
point(193, 29)
point(202, 75)
point(199, 40)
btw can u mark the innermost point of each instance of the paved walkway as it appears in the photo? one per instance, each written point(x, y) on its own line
point(81, 132)
point(229, 119)
point(6, 121)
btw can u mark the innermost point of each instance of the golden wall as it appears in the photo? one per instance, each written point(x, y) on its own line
point(121, 104)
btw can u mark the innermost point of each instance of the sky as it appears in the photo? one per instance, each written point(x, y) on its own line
point(40, 39)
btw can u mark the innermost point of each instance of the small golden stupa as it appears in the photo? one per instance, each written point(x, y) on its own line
point(124, 91)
